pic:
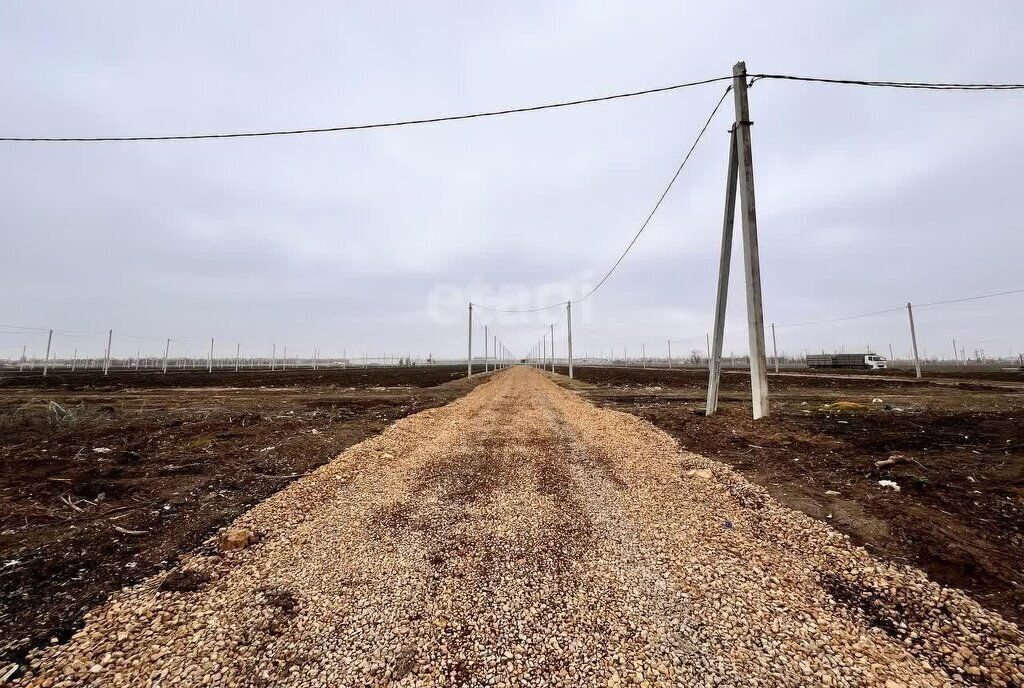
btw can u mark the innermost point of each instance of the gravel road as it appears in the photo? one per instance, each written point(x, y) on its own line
point(522, 536)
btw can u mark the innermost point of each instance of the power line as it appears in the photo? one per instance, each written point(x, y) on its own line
point(900, 308)
point(923, 85)
point(363, 127)
point(661, 198)
point(970, 298)
point(519, 310)
point(643, 226)
point(843, 319)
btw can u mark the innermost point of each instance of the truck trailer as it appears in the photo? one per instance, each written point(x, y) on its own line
point(870, 361)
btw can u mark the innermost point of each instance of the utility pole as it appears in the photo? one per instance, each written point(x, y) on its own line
point(670, 354)
point(485, 349)
point(238, 355)
point(106, 357)
point(21, 365)
point(494, 350)
point(167, 350)
point(552, 330)
point(46, 361)
point(751, 253)
point(209, 361)
point(643, 356)
point(273, 356)
point(74, 360)
point(956, 357)
point(284, 357)
point(544, 344)
point(892, 360)
point(775, 349)
point(568, 313)
point(469, 353)
point(913, 339)
point(724, 264)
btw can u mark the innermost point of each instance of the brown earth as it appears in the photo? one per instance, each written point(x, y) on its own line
point(106, 480)
point(958, 459)
point(521, 536)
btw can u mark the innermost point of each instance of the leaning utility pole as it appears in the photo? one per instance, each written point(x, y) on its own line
point(913, 339)
point(106, 357)
point(46, 361)
point(167, 350)
point(469, 353)
point(724, 264)
point(568, 318)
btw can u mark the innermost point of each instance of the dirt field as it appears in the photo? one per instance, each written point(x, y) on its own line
point(522, 536)
point(106, 480)
point(957, 446)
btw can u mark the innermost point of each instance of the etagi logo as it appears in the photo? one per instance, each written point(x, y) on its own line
point(507, 304)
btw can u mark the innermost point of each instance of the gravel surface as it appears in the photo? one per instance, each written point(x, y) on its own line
point(522, 536)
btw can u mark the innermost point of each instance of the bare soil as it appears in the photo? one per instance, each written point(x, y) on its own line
point(958, 454)
point(520, 536)
point(105, 480)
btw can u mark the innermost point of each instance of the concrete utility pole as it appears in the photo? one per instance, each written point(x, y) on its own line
point(106, 357)
point(775, 349)
point(892, 360)
point(485, 349)
point(643, 356)
point(21, 365)
point(552, 329)
point(74, 360)
point(284, 357)
point(494, 350)
point(913, 339)
point(751, 253)
point(544, 348)
point(238, 355)
point(670, 354)
point(568, 317)
point(209, 361)
point(956, 357)
point(46, 361)
point(469, 353)
point(724, 263)
point(273, 356)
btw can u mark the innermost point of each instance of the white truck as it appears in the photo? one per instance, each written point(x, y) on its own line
point(869, 361)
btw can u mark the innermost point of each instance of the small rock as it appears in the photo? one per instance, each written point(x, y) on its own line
point(236, 538)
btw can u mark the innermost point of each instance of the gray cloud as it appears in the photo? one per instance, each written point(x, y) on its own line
point(866, 198)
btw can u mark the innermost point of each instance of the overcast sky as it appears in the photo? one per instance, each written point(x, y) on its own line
point(373, 241)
